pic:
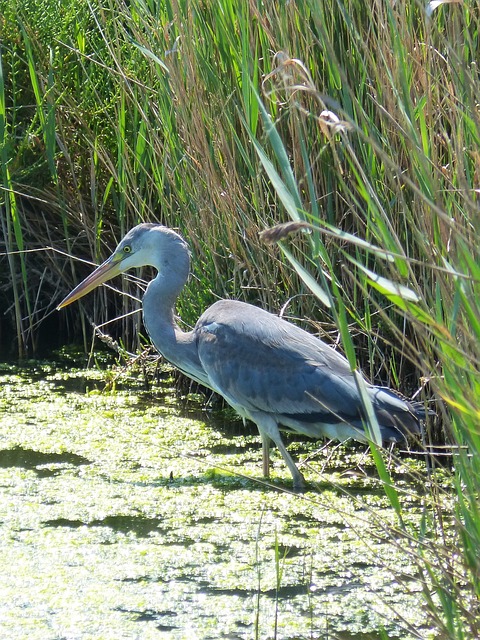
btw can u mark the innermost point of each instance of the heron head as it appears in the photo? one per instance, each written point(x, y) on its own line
point(145, 244)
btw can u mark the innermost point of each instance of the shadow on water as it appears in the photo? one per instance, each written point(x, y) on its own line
point(44, 464)
point(141, 526)
point(149, 615)
point(161, 617)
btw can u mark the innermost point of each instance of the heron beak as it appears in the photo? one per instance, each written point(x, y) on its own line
point(109, 269)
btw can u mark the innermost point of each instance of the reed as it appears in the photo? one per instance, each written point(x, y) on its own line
point(357, 121)
point(410, 269)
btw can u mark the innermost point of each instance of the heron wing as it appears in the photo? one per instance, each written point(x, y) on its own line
point(260, 362)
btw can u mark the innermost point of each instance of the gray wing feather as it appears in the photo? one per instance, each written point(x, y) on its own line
point(264, 363)
point(261, 363)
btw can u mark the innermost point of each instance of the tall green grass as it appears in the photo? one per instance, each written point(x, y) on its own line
point(224, 119)
point(418, 269)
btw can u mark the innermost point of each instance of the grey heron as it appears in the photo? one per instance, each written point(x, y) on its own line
point(269, 370)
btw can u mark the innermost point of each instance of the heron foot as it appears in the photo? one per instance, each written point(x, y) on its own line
point(299, 483)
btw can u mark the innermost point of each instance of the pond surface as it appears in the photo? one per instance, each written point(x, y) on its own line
point(134, 514)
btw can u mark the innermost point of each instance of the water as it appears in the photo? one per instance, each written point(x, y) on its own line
point(123, 516)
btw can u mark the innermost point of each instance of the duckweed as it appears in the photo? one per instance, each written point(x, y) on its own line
point(131, 514)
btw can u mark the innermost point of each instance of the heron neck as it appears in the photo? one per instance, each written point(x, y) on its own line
point(176, 346)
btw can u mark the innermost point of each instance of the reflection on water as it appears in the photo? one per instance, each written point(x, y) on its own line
point(133, 514)
point(36, 460)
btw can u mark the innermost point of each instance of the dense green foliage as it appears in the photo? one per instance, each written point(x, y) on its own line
point(224, 118)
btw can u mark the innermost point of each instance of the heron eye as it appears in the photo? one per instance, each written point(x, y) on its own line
point(127, 248)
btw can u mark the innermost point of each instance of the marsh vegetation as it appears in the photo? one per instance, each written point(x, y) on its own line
point(358, 122)
point(131, 513)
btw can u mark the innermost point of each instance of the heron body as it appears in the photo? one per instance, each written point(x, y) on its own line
point(269, 370)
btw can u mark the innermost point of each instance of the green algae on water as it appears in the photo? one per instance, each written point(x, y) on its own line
point(130, 514)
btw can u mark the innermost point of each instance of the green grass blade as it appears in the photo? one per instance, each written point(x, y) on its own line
point(307, 278)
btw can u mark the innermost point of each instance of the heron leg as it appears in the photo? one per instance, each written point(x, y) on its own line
point(265, 454)
point(268, 429)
